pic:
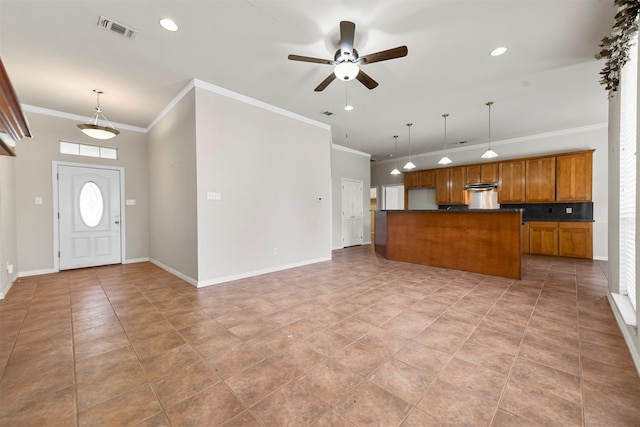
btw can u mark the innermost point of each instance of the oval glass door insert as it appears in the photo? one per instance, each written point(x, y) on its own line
point(91, 204)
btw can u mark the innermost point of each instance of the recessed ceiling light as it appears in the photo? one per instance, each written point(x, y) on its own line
point(498, 51)
point(168, 24)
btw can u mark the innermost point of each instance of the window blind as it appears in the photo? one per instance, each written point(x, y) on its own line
point(628, 117)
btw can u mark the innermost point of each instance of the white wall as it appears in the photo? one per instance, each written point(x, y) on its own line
point(8, 242)
point(350, 164)
point(33, 179)
point(593, 137)
point(270, 168)
point(173, 231)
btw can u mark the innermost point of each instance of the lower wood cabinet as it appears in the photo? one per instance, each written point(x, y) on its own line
point(568, 239)
point(543, 238)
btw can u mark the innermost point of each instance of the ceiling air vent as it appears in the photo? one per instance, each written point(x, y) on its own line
point(111, 25)
point(327, 113)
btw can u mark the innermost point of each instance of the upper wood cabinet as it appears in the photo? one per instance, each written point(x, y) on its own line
point(411, 180)
point(541, 180)
point(482, 173)
point(511, 177)
point(457, 192)
point(427, 179)
point(574, 176)
point(442, 186)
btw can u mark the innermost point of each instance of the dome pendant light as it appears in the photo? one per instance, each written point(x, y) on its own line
point(445, 160)
point(489, 154)
point(395, 170)
point(409, 164)
point(93, 129)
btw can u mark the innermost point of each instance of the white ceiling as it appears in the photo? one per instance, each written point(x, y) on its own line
point(55, 55)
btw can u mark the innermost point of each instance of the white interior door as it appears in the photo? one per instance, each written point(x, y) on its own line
point(352, 214)
point(89, 218)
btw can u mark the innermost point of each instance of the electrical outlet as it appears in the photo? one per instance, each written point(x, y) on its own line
point(38, 200)
point(569, 210)
point(9, 268)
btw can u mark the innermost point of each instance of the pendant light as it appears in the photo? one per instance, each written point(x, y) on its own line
point(489, 154)
point(395, 170)
point(93, 129)
point(445, 160)
point(409, 164)
point(347, 106)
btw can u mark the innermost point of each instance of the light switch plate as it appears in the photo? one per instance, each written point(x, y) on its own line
point(131, 202)
point(211, 195)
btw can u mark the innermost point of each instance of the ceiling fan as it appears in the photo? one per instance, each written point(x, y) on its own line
point(347, 62)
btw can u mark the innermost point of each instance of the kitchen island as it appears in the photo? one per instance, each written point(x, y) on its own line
point(479, 240)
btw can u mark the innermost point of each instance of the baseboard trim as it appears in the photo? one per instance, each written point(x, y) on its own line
point(4, 292)
point(37, 272)
point(175, 272)
point(626, 332)
point(601, 258)
point(230, 278)
point(136, 260)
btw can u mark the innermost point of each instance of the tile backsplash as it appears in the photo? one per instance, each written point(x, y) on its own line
point(555, 211)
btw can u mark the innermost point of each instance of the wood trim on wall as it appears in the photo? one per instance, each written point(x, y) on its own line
point(12, 120)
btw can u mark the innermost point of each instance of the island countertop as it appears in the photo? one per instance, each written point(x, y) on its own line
point(483, 241)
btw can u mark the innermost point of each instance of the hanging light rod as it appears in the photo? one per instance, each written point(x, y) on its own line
point(409, 164)
point(395, 170)
point(445, 160)
point(93, 129)
point(489, 154)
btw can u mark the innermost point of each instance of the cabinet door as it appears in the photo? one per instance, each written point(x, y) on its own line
point(411, 180)
point(543, 238)
point(474, 175)
point(427, 179)
point(575, 239)
point(541, 180)
point(489, 173)
point(511, 182)
point(574, 177)
point(442, 186)
point(457, 193)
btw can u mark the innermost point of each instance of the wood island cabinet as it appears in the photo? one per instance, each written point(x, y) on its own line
point(543, 238)
point(511, 188)
point(540, 180)
point(482, 173)
point(573, 177)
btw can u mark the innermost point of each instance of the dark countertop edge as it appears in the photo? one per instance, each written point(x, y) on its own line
point(558, 220)
point(452, 210)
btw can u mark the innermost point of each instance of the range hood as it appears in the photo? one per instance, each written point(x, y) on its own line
point(481, 186)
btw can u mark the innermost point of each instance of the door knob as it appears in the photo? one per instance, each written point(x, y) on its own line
point(117, 222)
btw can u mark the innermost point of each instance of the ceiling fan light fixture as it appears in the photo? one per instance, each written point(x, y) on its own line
point(346, 70)
point(95, 130)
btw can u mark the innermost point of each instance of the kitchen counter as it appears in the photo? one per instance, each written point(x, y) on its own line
point(486, 241)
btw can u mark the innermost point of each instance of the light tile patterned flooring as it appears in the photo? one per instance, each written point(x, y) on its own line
point(355, 341)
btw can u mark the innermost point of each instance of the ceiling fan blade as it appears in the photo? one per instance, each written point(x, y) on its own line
point(347, 35)
point(366, 80)
point(396, 52)
point(325, 83)
point(310, 59)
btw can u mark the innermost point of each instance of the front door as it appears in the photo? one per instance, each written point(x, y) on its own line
point(352, 215)
point(89, 218)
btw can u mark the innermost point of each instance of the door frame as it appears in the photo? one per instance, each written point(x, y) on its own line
point(56, 229)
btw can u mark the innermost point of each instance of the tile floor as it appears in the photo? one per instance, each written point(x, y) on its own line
point(355, 341)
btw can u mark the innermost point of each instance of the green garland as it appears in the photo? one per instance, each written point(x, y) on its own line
point(615, 47)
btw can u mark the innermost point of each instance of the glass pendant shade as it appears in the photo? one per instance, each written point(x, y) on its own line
point(444, 161)
point(409, 165)
point(489, 154)
point(395, 171)
point(346, 70)
point(95, 130)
